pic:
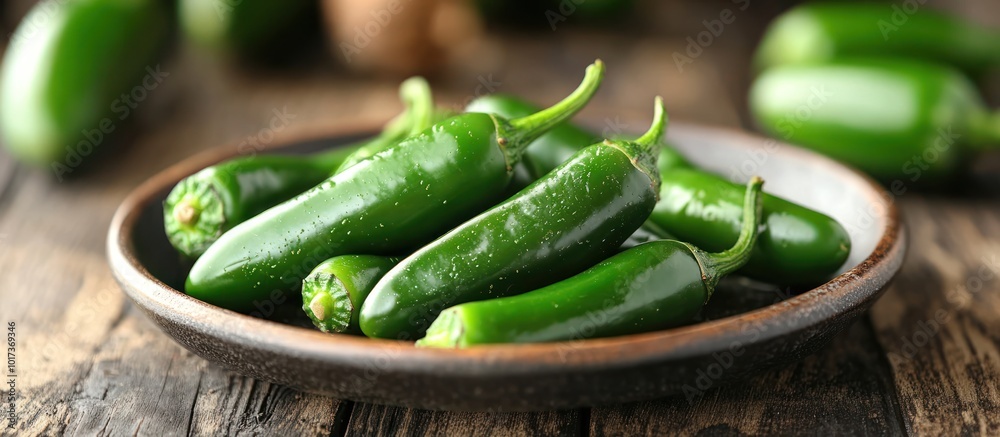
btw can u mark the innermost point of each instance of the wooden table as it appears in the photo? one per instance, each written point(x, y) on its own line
point(89, 363)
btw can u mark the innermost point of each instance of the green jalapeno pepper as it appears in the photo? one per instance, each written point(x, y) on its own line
point(821, 32)
point(241, 25)
point(899, 120)
point(333, 292)
point(206, 204)
point(798, 246)
point(548, 151)
point(575, 216)
point(201, 207)
point(73, 71)
point(394, 201)
point(652, 286)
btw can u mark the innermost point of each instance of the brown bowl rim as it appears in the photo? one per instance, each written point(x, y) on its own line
point(152, 295)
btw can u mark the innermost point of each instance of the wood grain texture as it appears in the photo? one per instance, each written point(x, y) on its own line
point(844, 389)
point(376, 420)
point(939, 324)
point(90, 364)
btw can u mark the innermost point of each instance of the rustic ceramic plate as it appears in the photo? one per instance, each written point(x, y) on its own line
point(747, 328)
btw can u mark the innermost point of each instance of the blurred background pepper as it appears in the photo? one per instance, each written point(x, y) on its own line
point(63, 91)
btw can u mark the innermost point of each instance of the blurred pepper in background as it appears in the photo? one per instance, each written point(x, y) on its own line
point(878, 87)
point(822, 32)
point(239, 25)
point(73, 71)
point(72, 63)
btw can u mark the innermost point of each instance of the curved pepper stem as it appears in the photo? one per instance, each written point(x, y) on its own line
point(653, 137)
point(418, 114)
point(644, 151)
point(527, 129)
point(416, 95)
point(418, 108)
point(720, 264)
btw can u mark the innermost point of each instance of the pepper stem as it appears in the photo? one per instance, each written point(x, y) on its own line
point(418, 114)
point(654, 135)
point(419, 101)
point(186, 213)
point(527, 129)
point(717, 265)
point(984, 131)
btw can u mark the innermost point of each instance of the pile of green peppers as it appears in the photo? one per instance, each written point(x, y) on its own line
point(502, 224)
point(886, 88)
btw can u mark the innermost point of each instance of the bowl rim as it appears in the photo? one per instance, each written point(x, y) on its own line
point(852, 290)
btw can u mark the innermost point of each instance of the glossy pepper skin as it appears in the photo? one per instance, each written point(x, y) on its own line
point(549, 150)
point(206, 204)
point(241, 25)
point(201, 207)
point(818, 33)
point(397, 200)
point(901, 121)
point(66, 70)
point(798, 246)
point(333, 292)
point(563, 223)
point(652, 286)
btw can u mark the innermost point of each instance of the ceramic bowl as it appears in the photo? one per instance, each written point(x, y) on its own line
point(748, 327)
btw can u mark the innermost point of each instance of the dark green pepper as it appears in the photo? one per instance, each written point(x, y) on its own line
point(397, 200)
point(201, 207)
point(818, 33)
point(549, 150)
point(899, 120)
point(575, 216)
point(652, 286)
point(333, 292)
point(206, 204)
point(798, 246)
point(73, 71)
point(240, 25)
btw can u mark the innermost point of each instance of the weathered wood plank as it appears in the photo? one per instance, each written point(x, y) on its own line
point(939, 325)
point(376, 420)
point(844, 389)
point(91, 365)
